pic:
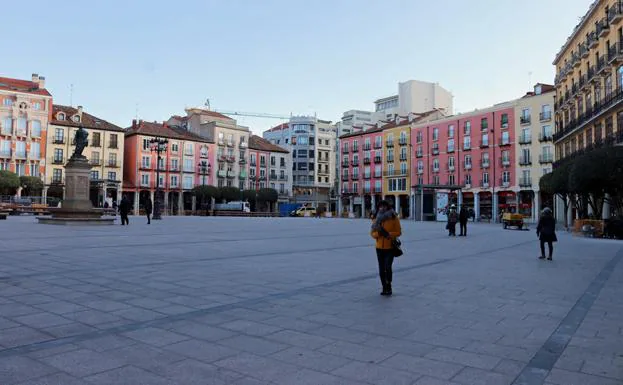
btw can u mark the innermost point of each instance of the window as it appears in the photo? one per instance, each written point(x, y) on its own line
point(113, 141)
point(468, 161)
point(273, 160)
point(403, 168)
point(506, 157)
point(35, 150)
point(188, 165)
point(436, 180)
point(451, 162)
point(95, 175)
point(7, 102)
point(146, 161)
point(61, 116)
point(505, 138)
point(420, 167)
point(435, 164)
point(504, 121)
point(22, 124)
point(35, 128)
point(302, 153)
point(418, 137)
point(5, 148)
point(525, 116)
point(467, 128)
point(254, 159)
point(262, 160)
point(302, 140)
point(34, 169)
point(485, 140)
point(525, 156)
point(435, 133)
point(95, 157)
point(175, 147)
point(76, 118)
point(188, 182)
point(58, 155)
point(467, 143)
point(468, 179)
point(188, 148)
point(506, 177)
point(161, 164)
point(377, 171)
point(112, 175)
point(57, 175)
point(526, 135)
point(608, 87)
point(144, 179)
point(112, 160)
point(377, 186)
point(484, 124)
point(7, 126)
point(175, 164)
point(36, 106)
point(146, 145)
point(485, 178)
point(451, 180)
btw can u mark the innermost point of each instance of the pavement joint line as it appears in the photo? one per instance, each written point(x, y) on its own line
point(224, 307)
point(536, 371)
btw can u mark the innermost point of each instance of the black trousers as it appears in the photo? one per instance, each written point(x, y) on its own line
point(148, 217)
point(451, 228)
point(124, 219)
point(550, 246)
point(385, 259)
point(463, 227)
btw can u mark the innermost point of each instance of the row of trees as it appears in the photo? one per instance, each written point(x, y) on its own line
point(10, 182)
point(588, 180)
point(259, 200)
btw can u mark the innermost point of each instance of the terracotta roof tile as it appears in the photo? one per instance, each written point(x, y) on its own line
point(163, 130)
point(87, 121)
point(27, 86)
point(261, 144)
point(280, 127)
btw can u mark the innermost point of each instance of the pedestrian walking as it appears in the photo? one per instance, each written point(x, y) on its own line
point(452, 219)
point(124, 210)
point(148, 207)
point(463, 217)
point(385, 230)
point(546, 231)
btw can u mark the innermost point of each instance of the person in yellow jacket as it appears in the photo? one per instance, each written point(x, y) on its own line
point(385, 229)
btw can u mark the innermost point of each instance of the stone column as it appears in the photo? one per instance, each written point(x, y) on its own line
point(45, 195)
point(459, 197)
point(477, 206)
point(152, 196)
point(536, 207)
point(373, 203)
point(136, 202)
point(350, 206)
point(104, 194)
point(194, 205)
point(19, 192)
point(180, 203)
point(166, 203)
point(606, 209)
point(494, 207)
point(398, 206)
point(119, 194)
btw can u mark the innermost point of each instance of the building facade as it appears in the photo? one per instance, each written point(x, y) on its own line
point(185, 162)
point(534, 149)
point(354, 120)
point(361, 172)
point(232, 143)
point(312, 145)
point(397, 164)
point(589, 83)
point(270, 166)
point(414, 96)
point(104, 151)
point(25, 111)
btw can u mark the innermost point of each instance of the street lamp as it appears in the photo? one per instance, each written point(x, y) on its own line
point(204, 170)
point(159, 145)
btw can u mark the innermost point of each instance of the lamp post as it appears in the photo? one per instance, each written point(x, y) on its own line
point(204, 170)
point(159, 145)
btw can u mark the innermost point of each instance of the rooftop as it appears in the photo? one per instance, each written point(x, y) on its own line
point(162, 130)
point(261, 144)
point(86, 120)
point(26, 86)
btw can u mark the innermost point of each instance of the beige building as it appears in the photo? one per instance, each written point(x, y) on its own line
point(534, 149)
point(25, 109)
point(231, 139)
point(589, 83)
point(104, 152)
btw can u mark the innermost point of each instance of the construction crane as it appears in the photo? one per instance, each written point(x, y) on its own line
point(252, 114)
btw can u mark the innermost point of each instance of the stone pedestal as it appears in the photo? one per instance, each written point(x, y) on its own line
point(76, 208)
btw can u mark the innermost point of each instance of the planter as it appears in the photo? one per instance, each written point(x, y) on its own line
point(578, 224)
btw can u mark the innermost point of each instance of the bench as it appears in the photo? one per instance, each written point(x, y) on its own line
point(3, 215)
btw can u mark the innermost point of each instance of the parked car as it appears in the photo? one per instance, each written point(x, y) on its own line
point(305, 211)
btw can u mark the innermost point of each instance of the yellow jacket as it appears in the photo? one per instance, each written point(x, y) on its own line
point(392, 226)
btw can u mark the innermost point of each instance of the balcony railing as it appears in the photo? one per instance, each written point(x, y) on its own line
point(389, 143)
point(283, 177)
point(615, 52)
point(601, 64)
point(435, 150)
point(57, 161)
point(345, 163)
point(591, 40)
point(242, 161)
point(231, 174)
point(545, 137)
point(377, 159)
point(378, 145)
point(603, 28)
point(525, 119)
point(484, 184)
point(419, 154)
point(395, 173)
point(390, 158)
point(59, 140)
point(615, 13)
point(504, 183)
point(583, 50)
point(505, 162)
point(467, 166)
point(366, 160)
point(525, 139)
point(367, 146)
point(485, 164)
point(243, 145)
point(505, 141)
point(547, 115)
point(484, 143)
point(546, 158)
point(95, 162)
point(367, 176)
point(5, 153)
point(450, 149)
point(450, 167)
point(402, 141)
point(354, 163)
point(354, 177)
point(345, 150)
point(355, 149)
point(345, 177)
point(525, 161)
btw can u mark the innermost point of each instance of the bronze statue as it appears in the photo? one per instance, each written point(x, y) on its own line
point(81, 141)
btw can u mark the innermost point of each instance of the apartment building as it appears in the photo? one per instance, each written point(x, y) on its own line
point(312, 145)
point(361, 171)
point(104, 151)
point(185, 162)
point(25, 111)
point(534, 148)
point(414, 96)
point(397, 164)
point(270, 166)
point(231, 139)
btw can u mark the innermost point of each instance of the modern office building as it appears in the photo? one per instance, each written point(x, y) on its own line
point(414, 96)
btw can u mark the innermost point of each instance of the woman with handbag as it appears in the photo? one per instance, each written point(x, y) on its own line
point(546, 231)
point(386, 230)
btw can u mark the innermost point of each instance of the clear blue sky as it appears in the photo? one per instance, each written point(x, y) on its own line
point(280, 56)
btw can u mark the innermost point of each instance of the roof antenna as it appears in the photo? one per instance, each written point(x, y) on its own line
point(71, 95)
point(136, 111)
point(207, 104)
point(529, 80)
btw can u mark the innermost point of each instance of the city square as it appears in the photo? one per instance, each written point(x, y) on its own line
point(205, 300)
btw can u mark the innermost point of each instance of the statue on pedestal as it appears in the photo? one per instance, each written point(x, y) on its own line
point(81, 140)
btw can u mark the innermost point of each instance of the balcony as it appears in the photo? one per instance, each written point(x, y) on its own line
point(273, 177)
point(545, 137)
point(242, 175)
point(354, 163)
point(345, 164)
point(230, 143)
point(263, 164)
point(402, 141)
point(283, 178)
point(467, 146)
point(230, 159)
point(591, 40)
point(366, 160)
point(222, 158)
point(484, 184)
point(525, 139)
point(58, 140)
point(484, 143)
point(403, 157)
point(221, 173)
point(615, 53)
point(450, 167)
point(525, 161)
point(615, 13)
point(390, 158)
point(345, 150)
point(467, 166)
point(601, 65)
point(583, 50)
point(505, 141)
point(95, 162)
point(253, 164)
point(354, 177)
point(603, 28)
point(367, 176)
point(242, 161)
point(420, 171)
point(345, 177)
point(485, 164)
point(505, 162)
point(505, 183)
point(525, 119)
point(367, 147)
point(546, 116)
point(221, 142)
point(57, 161)
point(5, 153)
point(395, 173)
point(590, 74)
point(355, 149)
point(389, 143)
point(377, 159)
point(546, 158)
point(575, 60)
point(435, 150)
point(434, 169)
point(243, 145)
point(419, 154)
point(113, 145)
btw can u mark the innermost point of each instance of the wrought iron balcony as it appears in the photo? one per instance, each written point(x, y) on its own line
point(525, 161)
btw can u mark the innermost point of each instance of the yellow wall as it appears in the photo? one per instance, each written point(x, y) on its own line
point(387, 134)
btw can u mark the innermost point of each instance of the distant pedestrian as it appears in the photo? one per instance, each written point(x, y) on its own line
point(385, 229)
point(452, 219)
point(148, 207)
point(463, 217)
point(546, 231)
point(124, 210)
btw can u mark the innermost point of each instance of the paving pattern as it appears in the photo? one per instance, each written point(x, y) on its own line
point(295, 301)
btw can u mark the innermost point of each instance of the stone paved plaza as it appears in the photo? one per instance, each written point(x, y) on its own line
point(295, 301)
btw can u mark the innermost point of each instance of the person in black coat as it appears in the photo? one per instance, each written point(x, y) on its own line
point(124, 210)
point(148, 207)
point(546, 231)
point(463, 217)
point(452, 219)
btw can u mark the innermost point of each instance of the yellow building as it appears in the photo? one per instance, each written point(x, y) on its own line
point(397, 164)
point(104, 151)
point(589, 82)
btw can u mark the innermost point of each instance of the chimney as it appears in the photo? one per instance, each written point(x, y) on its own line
point(80, 111)
point(133, 123)
point(41, 81)
point(35, 78)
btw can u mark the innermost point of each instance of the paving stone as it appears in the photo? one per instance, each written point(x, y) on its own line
point(424, 366)
point(250, 327)
point(311, 359)
point(295, 338)
point(262, 368)
point(433, 381)
point(565, 377)
point(510, 367)
point(61, 307)
point(105, 343)
point(19, 369)
point(464, 358)
point(54, 379)
point(193, 372)
point(82, 362)
point(254, 345)
point(376, 374)
point(357, 352)
point(144, 356)
point(155, 336)
point(472, 376)
point(202, 350)
point(22, 335)
point(127, 375)
point(201, 331)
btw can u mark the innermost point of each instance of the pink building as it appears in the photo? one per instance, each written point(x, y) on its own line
point(471, 156)
point(361, 170)
point(270, 167)
point(186, 162)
